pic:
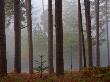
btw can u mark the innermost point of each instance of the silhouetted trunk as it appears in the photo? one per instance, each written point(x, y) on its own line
point(59, 38)
point(83, 45)
point(106, 4)
point(81, 38)
point(29, 26)
point(50, 38)
point(17, 29)
point(3, 60)
point(97, 33)
point(88, 27)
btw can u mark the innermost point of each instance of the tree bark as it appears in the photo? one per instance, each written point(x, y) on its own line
point(81, 38)
point(30, 42)
point(50, 38)
point(59, 38)
point(17, 29)
point(88, 27)
point(106, 20)
point(3, 60)
point(97, 32)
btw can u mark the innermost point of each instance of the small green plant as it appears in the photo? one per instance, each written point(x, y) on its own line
point(41, 66)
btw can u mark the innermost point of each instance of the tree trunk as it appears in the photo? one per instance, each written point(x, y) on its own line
point(88, 27)
point(3, 60)
point(29, 26)
point(50, 38)
point(81, 38)
point(97, 33)
point(83, 45)
point(17, 29)
point(106, 4)
point(59, 38)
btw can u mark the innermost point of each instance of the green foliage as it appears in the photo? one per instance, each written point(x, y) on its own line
point(41, 66)
point(9, 11)
point(9, 7)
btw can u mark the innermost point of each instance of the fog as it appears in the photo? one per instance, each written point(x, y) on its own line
point(37, 10)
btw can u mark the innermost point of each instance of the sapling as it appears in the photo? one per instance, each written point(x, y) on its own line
point(41, 66)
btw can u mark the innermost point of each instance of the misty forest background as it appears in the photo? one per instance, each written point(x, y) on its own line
point(70, 32)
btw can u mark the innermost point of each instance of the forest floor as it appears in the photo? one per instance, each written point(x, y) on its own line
point(85, 75)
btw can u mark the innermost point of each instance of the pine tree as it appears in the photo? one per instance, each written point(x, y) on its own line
point(106, 20)
point(88, 27)
point(81, 38)
point(97, 32)
point(3, 60)
point(50, 37)
point(17, 29)
point(29, 26)
point(59, 38)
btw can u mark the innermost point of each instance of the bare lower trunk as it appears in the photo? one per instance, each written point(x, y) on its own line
point(17, 29)
point(97, 33)
point(50, 38)
point(81, 36)
point(59, 38)
point(107, 33)
point(29, 26)
point(3, 60)
point(88, 27)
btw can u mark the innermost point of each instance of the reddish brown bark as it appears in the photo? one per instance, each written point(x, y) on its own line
point(17, 29)
point(97, 33)
point(81, 38)
point(59, 38)
point(50, 38)
point(29, 26)
point(88, 27)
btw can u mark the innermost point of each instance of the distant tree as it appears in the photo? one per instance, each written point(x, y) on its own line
point(102, 20)
point(88, 28)
point(59, 38)
point(106, 18)
point(50, 38)
point(40, 40)
point(17, 29)
point(29, 27)
point(97, 32)
point(3, 60)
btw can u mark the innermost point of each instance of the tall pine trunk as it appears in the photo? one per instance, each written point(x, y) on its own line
point(50, 37)
point(88, 27)
point(83, 45)
point(106, 20)
point(97, 33)
point(3, 60)
point(29, 26)
point(17, 29)
point(59, 38)
point(81, 38)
